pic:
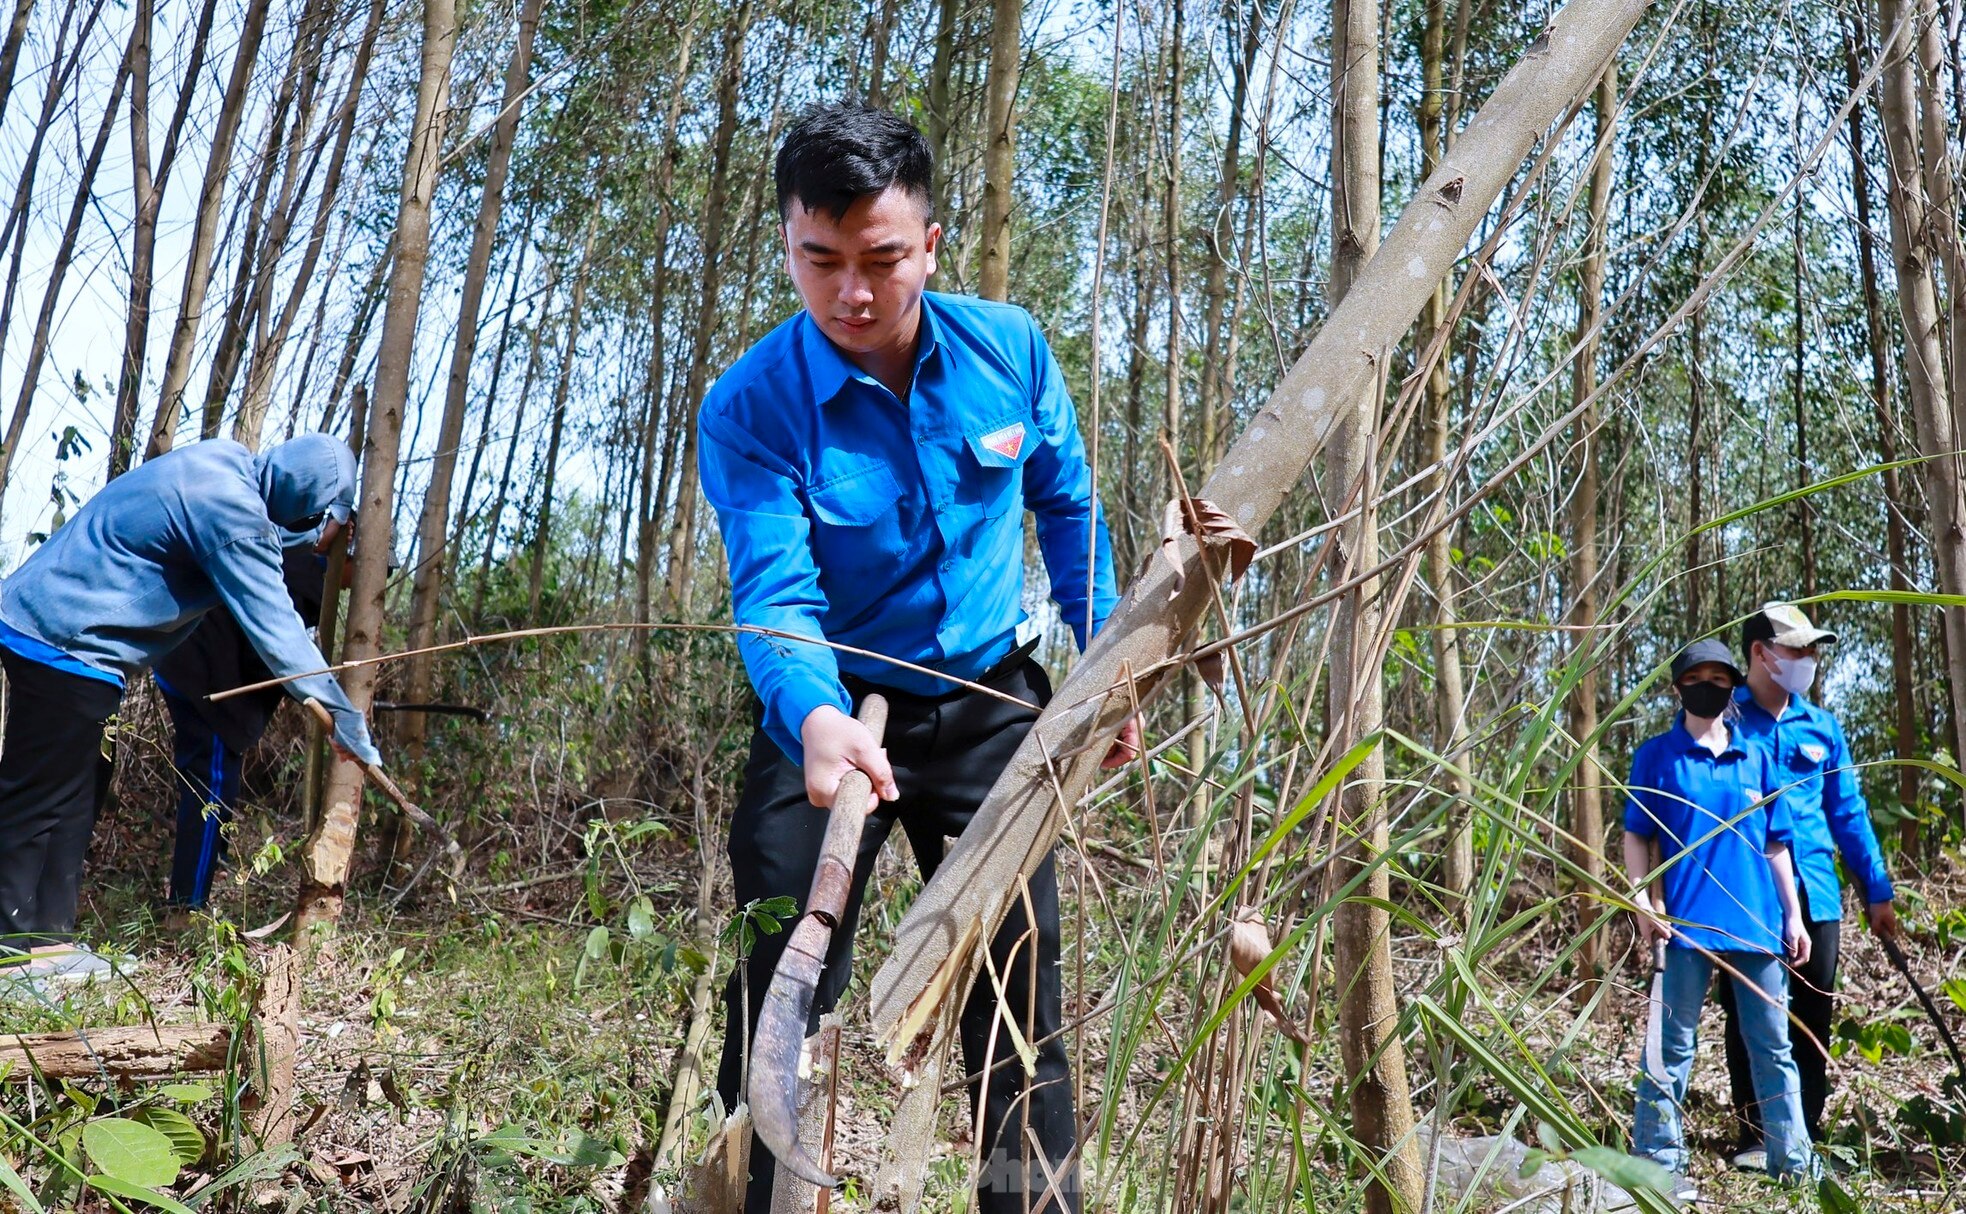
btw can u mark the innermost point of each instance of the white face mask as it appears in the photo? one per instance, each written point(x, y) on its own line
point(1793, 675)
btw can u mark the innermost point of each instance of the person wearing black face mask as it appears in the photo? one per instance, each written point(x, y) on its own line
point(1832, 820)
point(1707, 848)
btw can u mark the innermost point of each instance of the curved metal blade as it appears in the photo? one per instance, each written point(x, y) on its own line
point(774, 1079)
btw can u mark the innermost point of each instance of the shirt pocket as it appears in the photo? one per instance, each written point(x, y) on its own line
point(856, 523)
point(997, 453)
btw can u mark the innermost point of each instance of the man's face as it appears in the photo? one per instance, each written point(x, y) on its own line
point(862, 277)
point(1787, 653)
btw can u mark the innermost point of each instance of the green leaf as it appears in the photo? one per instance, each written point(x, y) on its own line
point(1834, 1199)
point(1955, 990)
point(641, 918)
point(187, 1140)
point(10, 1180)
point(130, 1151)
point(185, 1093)
point(597, 944)
point(137, 1192)
point(1628, 1172)
point(1532, 1163)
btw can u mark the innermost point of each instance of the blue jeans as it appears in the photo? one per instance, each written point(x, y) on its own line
point(1762, 1001)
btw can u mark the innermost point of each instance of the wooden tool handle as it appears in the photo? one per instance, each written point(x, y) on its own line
point(833, 878)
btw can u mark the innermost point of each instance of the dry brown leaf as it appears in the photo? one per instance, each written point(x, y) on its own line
point(1220, 536)
point(1249, 944)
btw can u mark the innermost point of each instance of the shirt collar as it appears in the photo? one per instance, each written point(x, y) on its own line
point(829, 369)
point(1796, 706)
point(1695, 746)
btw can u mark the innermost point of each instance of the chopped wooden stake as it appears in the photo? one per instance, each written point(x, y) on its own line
point(141, 1051)
point(819, 1067)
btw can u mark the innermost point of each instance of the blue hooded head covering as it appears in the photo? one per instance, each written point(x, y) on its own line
point(310, 475)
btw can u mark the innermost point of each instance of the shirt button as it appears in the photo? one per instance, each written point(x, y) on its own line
point(947, 566)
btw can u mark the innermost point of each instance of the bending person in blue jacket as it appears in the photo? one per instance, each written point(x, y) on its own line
point(1831, 819)
point(117, 587)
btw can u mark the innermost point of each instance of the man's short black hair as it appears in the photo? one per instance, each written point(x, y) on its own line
point(837, 154)
point(1757, 627)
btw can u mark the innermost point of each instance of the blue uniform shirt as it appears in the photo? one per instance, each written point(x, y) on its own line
point(897, 527)
point(1719, 894)
point(1831, 815)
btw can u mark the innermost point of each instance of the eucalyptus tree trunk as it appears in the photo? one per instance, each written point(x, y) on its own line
point(1924, 359)
point(1000, 146)
point(941, 102)
point(716, 201)
point(428, 585)
point(655, 491)
point(1587, 794)
point(1904, 658)
point(1171, 236)
point(1368, 1010)
point(198, 261)
point(273, 337)
point(149, 192)
point(542, 536)
point(325, 858)
point(934, 954)
point(10, 51)
point(1450, 695)
point(1217, 372)
point(37, 350)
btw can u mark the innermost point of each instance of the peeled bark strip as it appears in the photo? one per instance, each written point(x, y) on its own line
point(1020, 820)
point(325, 858)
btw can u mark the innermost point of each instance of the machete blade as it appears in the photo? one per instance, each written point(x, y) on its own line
point(774, 1088)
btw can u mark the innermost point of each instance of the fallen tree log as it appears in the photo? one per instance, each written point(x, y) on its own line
point(137, 1052)
point(935, 954)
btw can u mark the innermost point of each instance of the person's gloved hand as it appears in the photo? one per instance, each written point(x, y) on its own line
point(351, 740)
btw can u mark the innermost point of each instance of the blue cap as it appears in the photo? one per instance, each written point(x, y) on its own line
point(1701, 652)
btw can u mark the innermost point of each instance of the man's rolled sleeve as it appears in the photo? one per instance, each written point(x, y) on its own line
point(1848, 815)
point(774, 583)
point(1058, 488)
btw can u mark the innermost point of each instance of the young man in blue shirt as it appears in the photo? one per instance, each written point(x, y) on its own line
point(1831, 820)
point(111, 591)
point(870, 462)
point(1704, 813)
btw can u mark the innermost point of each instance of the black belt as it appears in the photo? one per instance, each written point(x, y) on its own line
point(1008, 665)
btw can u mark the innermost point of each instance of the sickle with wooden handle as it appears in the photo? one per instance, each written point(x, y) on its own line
point(376, 776)
point(774, 1083)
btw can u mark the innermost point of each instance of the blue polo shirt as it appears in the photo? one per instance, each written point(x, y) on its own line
point(897, 527)
point(1714, 821)
point(1831, 815)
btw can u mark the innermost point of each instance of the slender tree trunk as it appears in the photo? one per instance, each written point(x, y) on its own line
point(1000, 146)
point(1587, 796)
point(1449, 701)
point(512, 448)
point(198, 263)
point(877, 71)
point(682, 540)
point(543, 532)
point(326, 855)
point(428, 585)
point(1171, 236)
point(1368, 1012)
point(453, 551)
point(63, 65)
point(655, 485)
point(1217, 318)
point(10, 51)
point(1897, 546)
point(941, 102)
point(37, 351)
point(1925, 377)
point(266, 353)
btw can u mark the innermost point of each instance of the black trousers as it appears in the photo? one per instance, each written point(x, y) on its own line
point(208, 776)
point(53, 781)
point(946, 754)
point(1811, 1001)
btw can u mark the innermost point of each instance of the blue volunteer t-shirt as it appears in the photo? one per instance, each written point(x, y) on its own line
point(1714, 822)
point(1831, 816)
